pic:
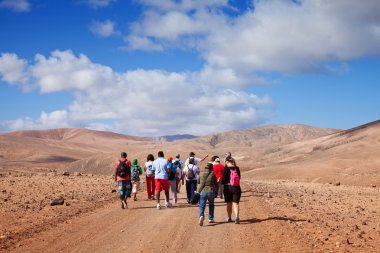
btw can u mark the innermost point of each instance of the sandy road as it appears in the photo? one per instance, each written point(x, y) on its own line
point(143, 228)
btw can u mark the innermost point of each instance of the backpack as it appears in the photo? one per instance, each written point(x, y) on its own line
point(190, 173)
point(150, 171)
point(135, 176)
point(234, 178)
point(122, 169)
point(172, 171)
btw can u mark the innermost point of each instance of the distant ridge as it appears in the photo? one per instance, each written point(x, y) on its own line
point(73, 134)
point(177, 137)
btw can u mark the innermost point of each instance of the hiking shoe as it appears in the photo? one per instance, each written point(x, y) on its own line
point(168, 204)
point(158, 206)
point(201, 221)
point(125, 204)
point(122, 205)
point(228, 220)
point(237, 220)
point(211, 221)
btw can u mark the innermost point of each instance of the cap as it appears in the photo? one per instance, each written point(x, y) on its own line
point(177, 155)
point(191, 159)
point(217, 160)
point(170, 159)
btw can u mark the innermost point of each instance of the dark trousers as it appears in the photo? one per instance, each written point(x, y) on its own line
point(191, 186)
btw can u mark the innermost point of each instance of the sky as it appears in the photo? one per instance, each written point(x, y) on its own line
point(164, 67)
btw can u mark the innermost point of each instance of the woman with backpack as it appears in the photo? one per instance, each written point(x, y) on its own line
point(191, 175)
point(232, 189)
point(148, 168)
point(207, 182)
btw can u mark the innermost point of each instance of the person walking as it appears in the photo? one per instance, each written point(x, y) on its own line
point(218, 171)
point(123, 179)
point(173, 172)
point(179, 163)
point(148, 168)
point(136, 171)
point(196, 159)
point(191, 172)
point(232, 190)
point(160, 167)
point(207, 182)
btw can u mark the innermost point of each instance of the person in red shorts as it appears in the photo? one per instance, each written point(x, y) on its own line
point(160, 167)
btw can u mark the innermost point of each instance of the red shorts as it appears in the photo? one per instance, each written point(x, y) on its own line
point(162, 184)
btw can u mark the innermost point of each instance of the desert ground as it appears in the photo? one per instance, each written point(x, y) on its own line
point(305, 189)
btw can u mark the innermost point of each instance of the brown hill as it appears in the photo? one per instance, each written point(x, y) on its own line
point(349, 157)
point(244, 144)
point(56, 148)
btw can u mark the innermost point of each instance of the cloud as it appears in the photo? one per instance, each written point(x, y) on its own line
point(56, 119)
point(103, 29)
point(99, 3)
point(13, 69)
point(16, 5)
point(274, 36)
point(139, 102)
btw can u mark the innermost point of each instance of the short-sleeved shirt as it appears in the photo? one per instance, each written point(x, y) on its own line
point(196, 161)
point(218, 171)
point(147, 164)
point(129, 164)
point(195, 169)
point(160, 166)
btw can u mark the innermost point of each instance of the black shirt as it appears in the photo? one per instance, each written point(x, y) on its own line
point(227, 172)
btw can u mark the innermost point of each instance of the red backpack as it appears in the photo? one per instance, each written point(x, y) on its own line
point(234, 178)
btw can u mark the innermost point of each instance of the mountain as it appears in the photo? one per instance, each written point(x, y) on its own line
point(349, 156)
point(177, 137)
point(265, 136)
point(55, 148)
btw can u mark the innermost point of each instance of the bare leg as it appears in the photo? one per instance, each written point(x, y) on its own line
point(229, 209)
point(158, 197)
point(167, 196)
point(236, 209)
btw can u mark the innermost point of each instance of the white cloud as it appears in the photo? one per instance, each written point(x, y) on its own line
point(13, 69)
point(276, 36)
point(56, 119)
point(16, 5)
point(139, 102)
point(99, 3)
point(103, 29)
point(64, 71)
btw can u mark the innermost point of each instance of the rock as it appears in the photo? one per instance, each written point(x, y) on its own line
point(294, 205)
point(56, 202)
point(113, 190)
point(337, 184)
point(78, 174)
point(373, 185)
point(66, 173)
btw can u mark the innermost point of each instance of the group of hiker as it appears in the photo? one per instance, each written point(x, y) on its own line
point(168, 174)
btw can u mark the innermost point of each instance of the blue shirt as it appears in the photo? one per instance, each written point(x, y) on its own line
point(160, 166)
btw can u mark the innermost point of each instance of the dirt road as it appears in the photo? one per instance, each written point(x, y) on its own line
point(143, 228)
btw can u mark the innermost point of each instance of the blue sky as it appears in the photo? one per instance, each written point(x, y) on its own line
point(155, 67)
